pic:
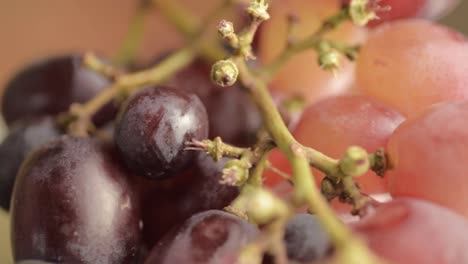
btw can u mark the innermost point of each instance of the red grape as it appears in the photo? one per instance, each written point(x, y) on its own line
point(73, 203)
point(210, 237)
point(428, 154)
point(23, 137)
point(336, 123)
point(51, 86)
point(153, 127)
point(407, 231)
point(435, 9)
point(413, 64)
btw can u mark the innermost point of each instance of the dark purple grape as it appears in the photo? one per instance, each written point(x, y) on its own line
point(170, 202)
point(49, 87)
point(73, 203)
point(23, 137)
point(305, 239)
point(210, 237)
point(233, 115)
point(153, 127)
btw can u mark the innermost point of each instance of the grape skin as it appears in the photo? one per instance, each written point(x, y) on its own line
point(413, 64)
point(22, 138)
point(50, 86)
point(334, 124)
point(233, 104)
point(305, 239)
point(170, 202)
point(428, 154)
point(73, 203)
point(153, 128)
point(210, 237)
point(408, 231)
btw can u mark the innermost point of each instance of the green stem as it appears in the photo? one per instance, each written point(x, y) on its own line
point(311, 42)
point(129, 48)
point(131, 82)
point(191, 27)
point(305, 188)
point(320, 161)
point(183, 21)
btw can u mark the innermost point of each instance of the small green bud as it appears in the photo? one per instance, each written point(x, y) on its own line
point(224, 73)
point(355, 162)
point(363, 11)
point(225, 28)
point(258, 9)
point(262, 206)
point(235, 172)
point(329, 60)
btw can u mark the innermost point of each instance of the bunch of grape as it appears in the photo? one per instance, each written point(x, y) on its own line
point(132, 192)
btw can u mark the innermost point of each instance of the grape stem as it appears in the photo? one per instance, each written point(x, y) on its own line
point(129, 48)
point(127, 83)
point(305, 190)
point(191, 27)
point(313, 41)
point(92, 62)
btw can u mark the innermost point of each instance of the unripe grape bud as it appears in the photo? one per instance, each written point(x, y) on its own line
point(262, 206)
point(329, 60)
point(355, 162)
point(225, 28)
point(258, 10)
point(363, 11)
point(224, 73)
point(235, 172)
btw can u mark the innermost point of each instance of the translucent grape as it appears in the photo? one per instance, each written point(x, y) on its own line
point(428, 154)
point(336, 123)
point(408, 231)
point(413, 64)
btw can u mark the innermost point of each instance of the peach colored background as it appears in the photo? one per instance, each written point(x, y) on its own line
point(32, 29)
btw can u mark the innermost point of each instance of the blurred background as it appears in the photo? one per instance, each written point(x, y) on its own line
point(30, 30)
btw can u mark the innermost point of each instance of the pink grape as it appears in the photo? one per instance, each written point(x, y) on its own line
point(435, 9)
point(413, 64)
point(409, 231)
point(334, 124)
point(429, 153)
